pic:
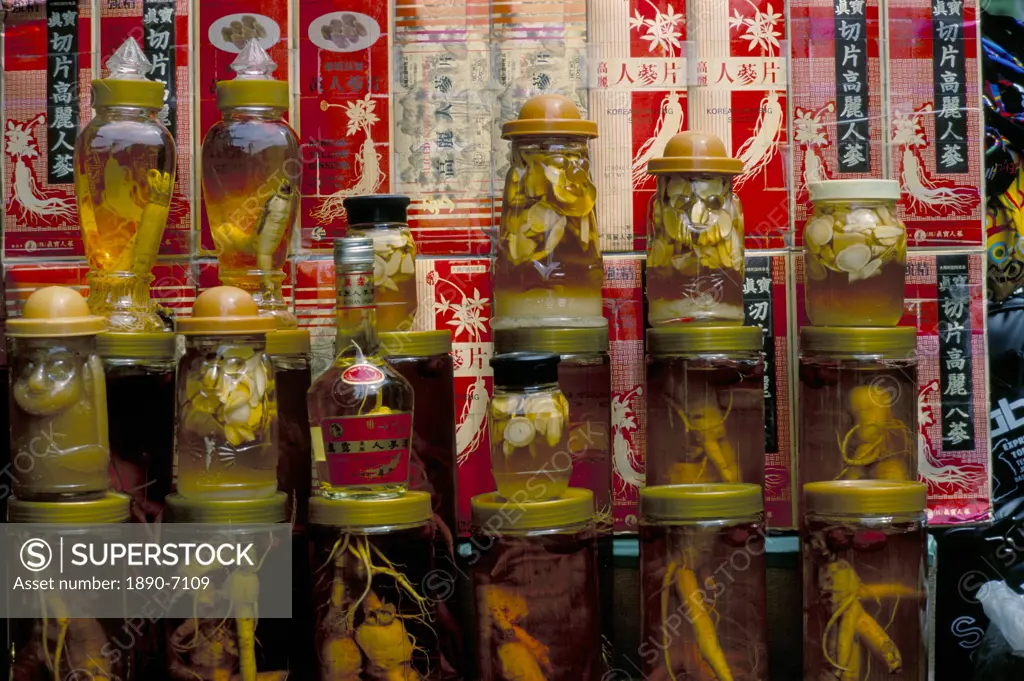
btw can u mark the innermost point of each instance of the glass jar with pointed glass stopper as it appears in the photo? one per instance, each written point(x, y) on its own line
point(124, 176)
point(251, 175)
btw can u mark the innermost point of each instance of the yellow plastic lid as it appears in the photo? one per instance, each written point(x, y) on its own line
point(849, 190)
point(700, 502)
point(127, 84)
point(288, 342)
point(112, 507)
point(495, 513)
point(237, 511)
point(560, 340)
point(158, 345)
point(682, 339)
point(549, 115)
point(409, 509)
point(891, 342)
point(224, 311)
point(695, 152)
point(415, 343)
point(867, 497)
point(55, 311)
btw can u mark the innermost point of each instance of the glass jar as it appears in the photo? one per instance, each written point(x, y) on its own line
point(124, 176)
point(251, 174)
point(80, 647)
point(289, 353)
point(536, 590)
point(864, 580)
point(695, 234)
point(226, 444)
point(858, 404)
point(702, 578)
point(374, 559)
point(705, 405)
point(141, 440)
point(547, 268)
point(855, 254)
point(528, 419)
point(58, 406)
point(384, 219)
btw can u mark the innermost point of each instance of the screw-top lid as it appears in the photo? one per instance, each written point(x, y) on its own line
point(410, 508)
point(127, 84)
point(288, 342)
point(868, 497)
point(415, 343)
point(157, 345)
point(889, 342)
point(353, 251)
point(253, 85)
point(524, 369)
point(224, 311)
point(682, 339)
point(237, 511)
point(695, 152)
point(494, 513)
point(376, 209)
point(549, 339)
point(700, 502)
point(549, 115)
point(55, 311)
point(112, 507)
point(848, 190)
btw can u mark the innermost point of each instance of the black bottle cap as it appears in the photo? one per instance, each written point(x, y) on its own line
point(525, 369)
point(376, 209)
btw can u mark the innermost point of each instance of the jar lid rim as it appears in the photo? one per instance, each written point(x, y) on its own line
point(700, 501)
point(869, 497)
point(494, 513)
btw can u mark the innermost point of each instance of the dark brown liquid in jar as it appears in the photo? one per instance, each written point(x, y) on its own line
point(294, 463)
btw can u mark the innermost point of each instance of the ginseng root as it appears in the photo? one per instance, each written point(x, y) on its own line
point(885, 443)
point(707, 422)
point(704, 629)
point(244, 589)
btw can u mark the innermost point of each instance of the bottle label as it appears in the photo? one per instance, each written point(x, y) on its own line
point(362, 374)
point(356, 290)
point(367, 450)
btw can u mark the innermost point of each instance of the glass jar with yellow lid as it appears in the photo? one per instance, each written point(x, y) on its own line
point(705, 404)
point(695, 235)
point(864, 551)
point(547, 268)
point(226, 404)
point(536, 588)
point(702, 580)
point(58, 409)
point(855, 254)
point(858, 403)
point(124, 177)
point(288, 350)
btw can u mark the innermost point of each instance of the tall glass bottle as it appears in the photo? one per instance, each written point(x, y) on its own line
point(251, 176)
point(124, 174)
point(360, 409)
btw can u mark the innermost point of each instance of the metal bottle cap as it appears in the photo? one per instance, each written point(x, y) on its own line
point(353, 250)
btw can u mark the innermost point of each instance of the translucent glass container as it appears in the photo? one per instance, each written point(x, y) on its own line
point(702, 578)
point(547, 268)
point(140, 365)
point(528, 419)
point(864, 580)
point(251, 178)
point(695, 234)
point(124, 176)
point(376, 618)
point(536, 589)
point(226, 407)
point(383, 218)
point(289, 353)
point(705, 405)
point(855, 254)
point(58, 399)
point(858, 404)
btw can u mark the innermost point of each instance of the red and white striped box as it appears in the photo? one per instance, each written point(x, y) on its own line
point(934, 121)
point(47, 68)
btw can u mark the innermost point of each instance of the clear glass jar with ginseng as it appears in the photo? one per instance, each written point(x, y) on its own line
point(226, 444)
point(140, 365)
point(702, 578)
point(695, 234)
point(855, 254)
point(858, 405)
point(377, 614)
point(705, 405)
point(864, 576)
point(60, 447)
point(536, 588)
point(288, 350)
point(547, 268)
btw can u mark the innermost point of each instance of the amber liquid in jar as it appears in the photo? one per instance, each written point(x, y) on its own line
point(586, 380)
point(394, 273)
point(34, 645)
point(292, 380)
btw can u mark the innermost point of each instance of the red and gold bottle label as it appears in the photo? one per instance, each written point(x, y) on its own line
point(356, 289)
point(366, 450)
point(362, 374)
